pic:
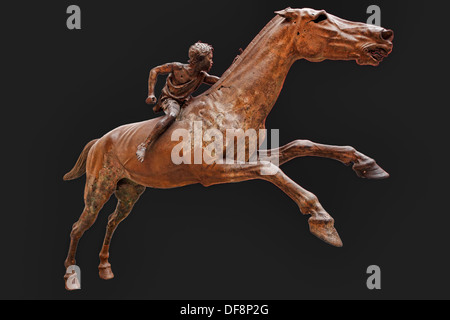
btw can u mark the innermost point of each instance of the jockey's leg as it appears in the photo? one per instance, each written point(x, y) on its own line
point(172, 111)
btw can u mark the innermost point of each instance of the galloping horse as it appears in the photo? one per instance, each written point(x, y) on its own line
point(241, 99)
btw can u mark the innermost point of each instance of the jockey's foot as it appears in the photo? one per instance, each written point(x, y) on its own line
point(140, 153)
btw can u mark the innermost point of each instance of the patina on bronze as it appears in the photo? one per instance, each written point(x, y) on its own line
point(242, 98)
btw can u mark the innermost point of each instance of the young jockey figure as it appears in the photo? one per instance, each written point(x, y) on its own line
point(182, 81)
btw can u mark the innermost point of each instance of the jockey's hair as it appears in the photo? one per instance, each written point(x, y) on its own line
point(198, 51)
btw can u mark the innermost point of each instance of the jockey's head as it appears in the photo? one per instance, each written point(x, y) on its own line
point(200, 56)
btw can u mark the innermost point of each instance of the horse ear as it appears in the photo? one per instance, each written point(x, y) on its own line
point(288, 13)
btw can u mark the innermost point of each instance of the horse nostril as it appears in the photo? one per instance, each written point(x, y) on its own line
point(387, 35)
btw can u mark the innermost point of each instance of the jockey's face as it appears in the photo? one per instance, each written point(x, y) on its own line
point(205, 64)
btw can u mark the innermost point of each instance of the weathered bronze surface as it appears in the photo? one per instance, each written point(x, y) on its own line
point(241, 99)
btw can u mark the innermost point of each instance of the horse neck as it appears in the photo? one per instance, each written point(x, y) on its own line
point(251, 86)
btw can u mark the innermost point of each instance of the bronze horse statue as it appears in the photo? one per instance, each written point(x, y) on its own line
point(242, 98)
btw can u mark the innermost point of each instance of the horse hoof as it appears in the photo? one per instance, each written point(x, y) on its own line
point(325, 231)
point(370, 170)
point(71, 282)
point(105, 272)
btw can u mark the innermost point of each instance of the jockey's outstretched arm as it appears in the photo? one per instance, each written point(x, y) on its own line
point(154, 73)
point(211, 79)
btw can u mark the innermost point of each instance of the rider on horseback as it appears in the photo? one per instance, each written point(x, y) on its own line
point(182, 81)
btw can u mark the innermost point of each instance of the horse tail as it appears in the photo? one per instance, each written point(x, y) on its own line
point(80, 166)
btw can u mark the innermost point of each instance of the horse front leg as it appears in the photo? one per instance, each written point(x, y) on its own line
point(364, 166)
point(321, 224)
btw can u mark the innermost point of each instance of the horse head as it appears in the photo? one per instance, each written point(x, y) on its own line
point(320, 36)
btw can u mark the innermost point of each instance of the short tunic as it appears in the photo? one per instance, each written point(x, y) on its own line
point(179, 93)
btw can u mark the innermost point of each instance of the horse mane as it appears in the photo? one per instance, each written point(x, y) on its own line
point(249, 48)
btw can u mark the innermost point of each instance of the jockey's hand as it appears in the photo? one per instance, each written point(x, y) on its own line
point(151, 99)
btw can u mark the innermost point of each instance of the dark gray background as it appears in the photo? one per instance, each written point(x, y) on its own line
point(235, 241)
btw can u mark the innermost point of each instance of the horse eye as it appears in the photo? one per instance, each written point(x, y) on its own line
point(320, 18)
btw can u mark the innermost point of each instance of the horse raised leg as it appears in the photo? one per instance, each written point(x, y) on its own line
point(321, 223)
point(364, 166)
point(127, 194)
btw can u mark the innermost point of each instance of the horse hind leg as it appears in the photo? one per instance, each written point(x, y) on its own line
point(99, 188)
point(127, 194)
